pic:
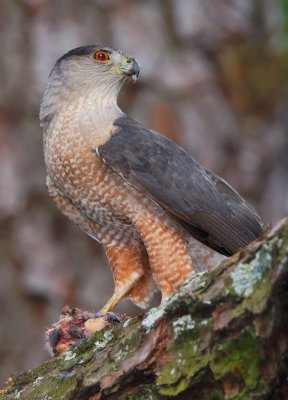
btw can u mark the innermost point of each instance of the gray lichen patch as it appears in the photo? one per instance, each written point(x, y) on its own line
point(38, 380)
point(126, 348)
point(18, 394)
point(245, 276)
point(182, 325)
point(105, 339)
point(196, 284)
point(152, 317)
point(69, 356)
point(197, 281)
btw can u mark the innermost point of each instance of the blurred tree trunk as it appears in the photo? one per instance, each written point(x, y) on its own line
point(222, 336)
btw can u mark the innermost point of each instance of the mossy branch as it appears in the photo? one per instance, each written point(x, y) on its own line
point(222, 336)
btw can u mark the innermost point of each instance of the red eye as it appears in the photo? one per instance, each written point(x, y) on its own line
point(101, 56)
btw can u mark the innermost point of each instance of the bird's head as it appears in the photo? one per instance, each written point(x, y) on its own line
point(95, 66)
point(95, 72)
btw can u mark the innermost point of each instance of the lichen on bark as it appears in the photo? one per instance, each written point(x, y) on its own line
point(223, 335)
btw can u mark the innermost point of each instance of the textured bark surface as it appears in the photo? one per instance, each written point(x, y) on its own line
point(222, 336)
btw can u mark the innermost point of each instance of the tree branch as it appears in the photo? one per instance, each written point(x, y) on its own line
point(223, 335)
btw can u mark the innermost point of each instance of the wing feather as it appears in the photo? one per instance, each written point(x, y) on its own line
point(203, 202)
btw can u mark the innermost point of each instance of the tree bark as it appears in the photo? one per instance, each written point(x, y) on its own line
point(223, 335)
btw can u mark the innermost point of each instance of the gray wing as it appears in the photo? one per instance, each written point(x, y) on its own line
point(204, 203)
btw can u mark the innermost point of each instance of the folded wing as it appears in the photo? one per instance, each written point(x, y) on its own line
point(201, 201)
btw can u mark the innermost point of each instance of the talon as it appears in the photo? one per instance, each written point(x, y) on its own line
point(114, 318)
point(75, 325)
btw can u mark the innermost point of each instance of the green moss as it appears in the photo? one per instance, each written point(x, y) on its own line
point(109, 359)
point(57, 389)
point(189, 359)
point(192, 357)
point(52, 388)
point(240, 355)
point(189, 355)
point(261, 293)
point(126, 347)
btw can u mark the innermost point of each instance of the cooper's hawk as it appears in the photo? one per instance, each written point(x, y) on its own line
point(156, 211)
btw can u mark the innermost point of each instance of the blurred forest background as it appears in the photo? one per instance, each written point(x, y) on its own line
point(214, 79)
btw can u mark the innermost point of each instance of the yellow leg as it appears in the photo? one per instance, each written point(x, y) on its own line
point(112, 302)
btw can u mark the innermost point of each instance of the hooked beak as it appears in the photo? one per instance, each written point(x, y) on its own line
point(132, 70)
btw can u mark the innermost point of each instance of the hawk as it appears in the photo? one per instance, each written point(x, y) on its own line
point(158, 213)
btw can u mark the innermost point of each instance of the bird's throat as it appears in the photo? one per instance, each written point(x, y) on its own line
point(87, 120)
